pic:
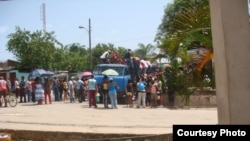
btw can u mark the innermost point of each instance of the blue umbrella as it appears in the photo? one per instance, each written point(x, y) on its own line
point(48, 73)
point(40, 72)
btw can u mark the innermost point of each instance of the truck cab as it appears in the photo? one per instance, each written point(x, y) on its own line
point(118, 72)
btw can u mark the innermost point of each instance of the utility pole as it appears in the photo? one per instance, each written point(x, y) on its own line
point(90, 50)
point(43, 16)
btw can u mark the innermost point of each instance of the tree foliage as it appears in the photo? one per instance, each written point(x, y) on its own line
point(33, 50)
point(41, 50)
point(185, 25)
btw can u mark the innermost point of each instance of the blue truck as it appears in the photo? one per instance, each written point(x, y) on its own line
point(118, 72)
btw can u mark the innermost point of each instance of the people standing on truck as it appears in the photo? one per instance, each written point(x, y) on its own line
point(92, 89)
point(113, 86)
point(143, 66)
point(128, 59)
point(141, 99)
point(115, 57)
point(105, 83)
point(105, 57)
point(136, 63)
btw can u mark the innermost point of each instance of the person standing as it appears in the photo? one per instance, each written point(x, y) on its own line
point(171, 93)
point(71, 90)
point(39, 91)
point(79, 89)
point(3, 91)
point(22, 90)
point(154, 96)
point(85, 88)
point(65, 90)
point(61, 88)
point(130, 93)
point(127, 58)
point(17, 87)
point(113, 93)
point(148, 93)
point(92, 89)
point(33, 85)
point(141, 99)
point(47, 90)
point(29, 89)
point(159, 90)
point(56, 89)
point(105, 83)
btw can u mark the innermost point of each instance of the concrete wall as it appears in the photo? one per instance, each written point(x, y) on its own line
point(200, 98)
point(18, 135)
point(231, 42)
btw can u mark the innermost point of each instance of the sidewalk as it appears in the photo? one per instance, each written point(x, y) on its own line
point(78, 117)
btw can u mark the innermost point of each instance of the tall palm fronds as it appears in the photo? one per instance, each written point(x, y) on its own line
point(192, 23)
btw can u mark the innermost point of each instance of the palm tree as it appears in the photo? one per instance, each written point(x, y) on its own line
point(188, 25)
point(145, 51)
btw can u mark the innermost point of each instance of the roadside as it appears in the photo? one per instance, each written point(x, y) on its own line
point(78, 117)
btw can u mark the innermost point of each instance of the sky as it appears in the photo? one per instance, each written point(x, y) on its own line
point(123, 23)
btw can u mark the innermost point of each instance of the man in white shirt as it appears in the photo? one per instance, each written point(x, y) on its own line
point(104, 57)
point(93, 89)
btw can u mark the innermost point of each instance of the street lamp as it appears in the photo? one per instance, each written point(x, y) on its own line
point(90, 50)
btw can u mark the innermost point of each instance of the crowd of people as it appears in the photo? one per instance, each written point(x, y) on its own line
point(144, 90)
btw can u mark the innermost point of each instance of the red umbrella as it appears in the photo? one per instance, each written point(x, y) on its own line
point(87, 73)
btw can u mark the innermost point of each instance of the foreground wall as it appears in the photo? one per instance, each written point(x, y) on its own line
point(18, 135)
point(231, 42)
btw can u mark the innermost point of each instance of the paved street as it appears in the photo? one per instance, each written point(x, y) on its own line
point(78, 117)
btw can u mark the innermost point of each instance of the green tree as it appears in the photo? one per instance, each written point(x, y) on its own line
point(185, 25)
point(145, 51)
point(33, 50)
